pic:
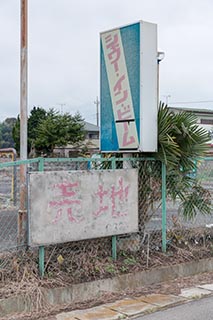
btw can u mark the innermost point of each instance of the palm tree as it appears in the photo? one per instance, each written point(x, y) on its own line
point(180, 143)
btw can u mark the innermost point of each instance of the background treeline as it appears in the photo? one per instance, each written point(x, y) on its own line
point(46, 130)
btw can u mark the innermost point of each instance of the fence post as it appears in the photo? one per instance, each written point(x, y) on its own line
point(41, 248)
point(163, 174)
point(22, 213)
point(41, 261)
point(14, 180)
point(114, 238)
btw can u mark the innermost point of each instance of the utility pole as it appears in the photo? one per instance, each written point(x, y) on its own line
point(97, 102)
point(22, 215)
point(168, 96)
point(62, 107)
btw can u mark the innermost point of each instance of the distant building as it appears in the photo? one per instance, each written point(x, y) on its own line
point(89, 146)
point(91, 143)
point(204, 118)
point(92, 131)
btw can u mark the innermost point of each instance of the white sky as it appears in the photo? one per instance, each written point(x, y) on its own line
point(64, 51)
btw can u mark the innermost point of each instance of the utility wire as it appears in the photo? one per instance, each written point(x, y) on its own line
point(188, 102)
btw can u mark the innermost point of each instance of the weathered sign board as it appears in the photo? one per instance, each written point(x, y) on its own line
point(77, 205)
point(129, 88)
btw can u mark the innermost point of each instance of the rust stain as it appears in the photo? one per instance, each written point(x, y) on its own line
point(22, 216)
point(23, 23)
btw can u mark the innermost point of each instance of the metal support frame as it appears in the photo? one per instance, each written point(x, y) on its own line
point(163, 207)
point(41, 248)
point(114, 238)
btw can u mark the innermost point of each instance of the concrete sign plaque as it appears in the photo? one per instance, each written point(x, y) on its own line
point(77, 205)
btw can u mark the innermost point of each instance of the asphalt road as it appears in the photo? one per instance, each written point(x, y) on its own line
point(196, 310)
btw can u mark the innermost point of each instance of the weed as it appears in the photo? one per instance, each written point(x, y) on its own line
point(130, 261)
point(124, 268)
point(110, 268)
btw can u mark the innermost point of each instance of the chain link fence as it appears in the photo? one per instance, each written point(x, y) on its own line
point(188, 228)
point(8, 202)
point(91, 259)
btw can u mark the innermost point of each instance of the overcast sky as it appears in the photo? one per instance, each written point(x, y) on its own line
point(64, 51)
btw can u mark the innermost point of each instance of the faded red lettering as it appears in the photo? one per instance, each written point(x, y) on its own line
point(126, 139)
point(100, 195)
point(122, 194)
point(113, 45)
point(118, 86)
point(66, 188)
point(66, 202)
point(124, 114)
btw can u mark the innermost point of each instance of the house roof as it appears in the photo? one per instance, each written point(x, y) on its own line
point(90, 127)
point(195, 110)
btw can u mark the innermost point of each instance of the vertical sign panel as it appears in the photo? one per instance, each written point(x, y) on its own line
point(120, 92)
point(128, 77)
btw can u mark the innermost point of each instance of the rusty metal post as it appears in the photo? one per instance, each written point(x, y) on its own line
point(22, 217)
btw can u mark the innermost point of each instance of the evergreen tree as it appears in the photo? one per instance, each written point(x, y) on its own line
point(58, 130)
point(48, 129)
point(6, 138)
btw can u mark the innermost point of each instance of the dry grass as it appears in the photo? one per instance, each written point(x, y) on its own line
point(91, 260)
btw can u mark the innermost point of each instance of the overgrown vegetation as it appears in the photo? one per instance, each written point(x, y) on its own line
point(91, 260)
point(181, 141)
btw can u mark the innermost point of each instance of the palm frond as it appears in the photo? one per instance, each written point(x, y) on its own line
point(180, 142)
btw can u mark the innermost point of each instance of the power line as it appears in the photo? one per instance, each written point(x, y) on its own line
point(188, 102)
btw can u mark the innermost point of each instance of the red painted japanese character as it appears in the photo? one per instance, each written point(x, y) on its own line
point(122, 195)
point(100, 195)
point(124, 113)
point(115, 51)
point(66, 202)
point(127, 140)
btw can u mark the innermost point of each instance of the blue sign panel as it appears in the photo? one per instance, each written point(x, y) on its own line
point(124, 88)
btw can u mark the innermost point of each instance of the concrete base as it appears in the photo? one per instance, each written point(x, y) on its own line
point(90, 290)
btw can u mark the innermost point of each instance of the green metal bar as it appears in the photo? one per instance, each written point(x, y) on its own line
point(18, 162)
point(79, 159)
point(41, 248)
point(114, 248)
point(41, 261)
point(163, 207)
point(114, 238)
point(41, 164)
point(113, 163)
point(82, 159)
